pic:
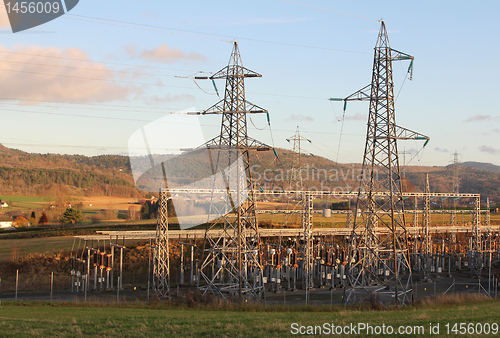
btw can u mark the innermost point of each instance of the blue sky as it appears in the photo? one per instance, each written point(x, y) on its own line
point(84, 84)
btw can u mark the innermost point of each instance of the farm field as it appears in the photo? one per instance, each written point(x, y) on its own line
point(24, 202)
point(89, 202)
point(142, 320)
point(108, 202)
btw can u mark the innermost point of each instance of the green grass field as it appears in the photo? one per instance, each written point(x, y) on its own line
point(64, 320)
point(23, 202)
point(17, 199)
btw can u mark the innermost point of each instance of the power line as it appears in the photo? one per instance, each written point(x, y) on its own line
point(88, 104)
point(149, 84)
point(330, 10)
point(141, 120)
point(161, 29)
point(127, 25)
point(93, 69)
point(94, 79)
point(106, 62)
point(94, 116)
point(100, 109)
point(204, 35)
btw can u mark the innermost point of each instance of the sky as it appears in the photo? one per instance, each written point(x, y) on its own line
point(86, 82)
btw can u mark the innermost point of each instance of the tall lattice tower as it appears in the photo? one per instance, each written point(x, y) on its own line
point(295, 179)
point(376, 262)
point(456, 181)
point(161, 267)
point(231, 264)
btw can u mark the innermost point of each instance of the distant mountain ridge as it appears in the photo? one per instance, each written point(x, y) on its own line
point(481, 165)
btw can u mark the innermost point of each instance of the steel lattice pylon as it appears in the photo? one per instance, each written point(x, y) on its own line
point(375, 262)
point(231, 263)
point(295, 178)
point(296, 165)
point(161, 267)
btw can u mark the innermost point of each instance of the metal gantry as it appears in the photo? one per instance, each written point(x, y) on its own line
point(456, 185)
point(235, 255)
point(307, 241)
point(375, 262)
point(475, 247)
point(426, 250)
point(161, 262)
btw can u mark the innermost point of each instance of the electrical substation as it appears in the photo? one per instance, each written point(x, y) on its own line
point(385, 249)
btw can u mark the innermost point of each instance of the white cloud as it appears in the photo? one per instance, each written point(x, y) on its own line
point(156, 100)
point(441, 150)
point(164, 54)
point(480, 117)
point(489, 150)
point(356, 117)
point(65, 78)
point(300, 117)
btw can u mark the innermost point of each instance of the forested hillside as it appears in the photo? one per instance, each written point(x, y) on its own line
point(24, 173)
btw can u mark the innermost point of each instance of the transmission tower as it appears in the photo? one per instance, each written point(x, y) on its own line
point(231, 264)
point(376, 262)
point(295, 178)
point(295, 182)
point(161, 265)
